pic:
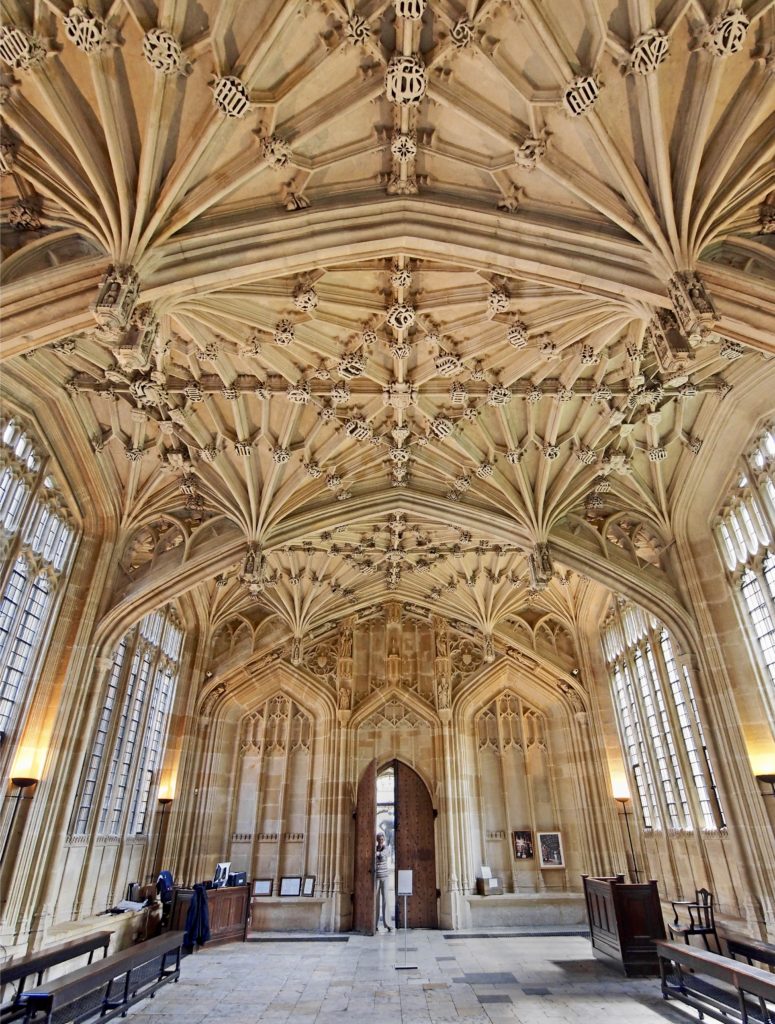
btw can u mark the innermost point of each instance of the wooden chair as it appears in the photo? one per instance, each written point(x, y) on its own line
point(702, 920)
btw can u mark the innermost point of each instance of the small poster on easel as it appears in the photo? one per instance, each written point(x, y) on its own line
point(404, 890)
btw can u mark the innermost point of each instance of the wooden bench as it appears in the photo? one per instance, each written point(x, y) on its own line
point(18, 971)
point(107, 988)
point(750, 949)
point(735, 993)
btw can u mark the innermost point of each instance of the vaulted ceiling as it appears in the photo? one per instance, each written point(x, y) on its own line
point(362, 298)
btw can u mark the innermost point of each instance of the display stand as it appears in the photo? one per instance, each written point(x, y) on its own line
point(404, 889)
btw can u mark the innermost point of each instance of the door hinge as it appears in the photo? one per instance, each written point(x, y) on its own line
point(435, 814)
point(438, 894)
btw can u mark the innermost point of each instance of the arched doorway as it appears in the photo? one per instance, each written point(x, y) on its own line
point(411, 845)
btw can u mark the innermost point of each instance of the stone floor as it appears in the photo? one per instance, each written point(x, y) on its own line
point(510, 978)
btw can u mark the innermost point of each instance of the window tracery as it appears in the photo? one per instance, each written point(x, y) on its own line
point(37, 538)
point(745, 532)
point(133, 726)
point(662, 735)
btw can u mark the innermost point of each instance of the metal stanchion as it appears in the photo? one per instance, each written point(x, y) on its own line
point(405, 890)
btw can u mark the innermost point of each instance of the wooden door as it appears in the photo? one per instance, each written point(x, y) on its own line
point(363, 866)
point(416, 847)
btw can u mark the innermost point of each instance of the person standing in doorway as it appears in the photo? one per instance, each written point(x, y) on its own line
point(381, 872)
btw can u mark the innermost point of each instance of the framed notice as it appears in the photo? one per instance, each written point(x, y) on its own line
point(290, 885)
point(263, 886)
point(404, 887)
point(523, 844)
point(308, 889)
point(550, 850)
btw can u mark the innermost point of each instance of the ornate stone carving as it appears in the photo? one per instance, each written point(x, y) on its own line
point(400, 315)
point(448, 364)
point(399, 394)
point(731, 350)
point(670, 347)
point(116, 298)
point(24, 215)
point(86, 31)
point(517, 334)
point(412, 10)
point(351, 365)
point(277, 153)
point(136, 345)
point(406, 81)
point(647, 52)
point(254, 575)
point(284, 332)
point(693, 307)
point(767, 219)
point(530, 152)
point(497, 394)
point(305, 298)
point(7, 155)
point(497, 301)
point(299, 392)
point(395, 715)
point(401, 277)
point(164, 53)
point(403, 147)
point(20, 50)
point(230, 96)
point(540, 565)
point(357, 30)
point(462, 33)
point(581, 94)
point(441, 427)
point(726, 33)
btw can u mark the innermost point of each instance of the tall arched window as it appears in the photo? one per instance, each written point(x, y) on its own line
point(659, 724)
point(124, 761)
point(37, 539)
point(745, 531)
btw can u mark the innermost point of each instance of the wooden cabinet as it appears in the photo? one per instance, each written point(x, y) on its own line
point(624, 921)
point(227, 908)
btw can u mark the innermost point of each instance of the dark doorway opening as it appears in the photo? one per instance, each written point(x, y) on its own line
point(393, 800)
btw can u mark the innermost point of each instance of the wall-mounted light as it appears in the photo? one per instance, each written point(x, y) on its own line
point(768, 779)
point(21, 782)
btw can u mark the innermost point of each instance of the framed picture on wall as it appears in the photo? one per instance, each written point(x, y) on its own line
point(263, 886)
point(550, 850)
point(308, 889)
point(522, 841)
point(290, 885)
